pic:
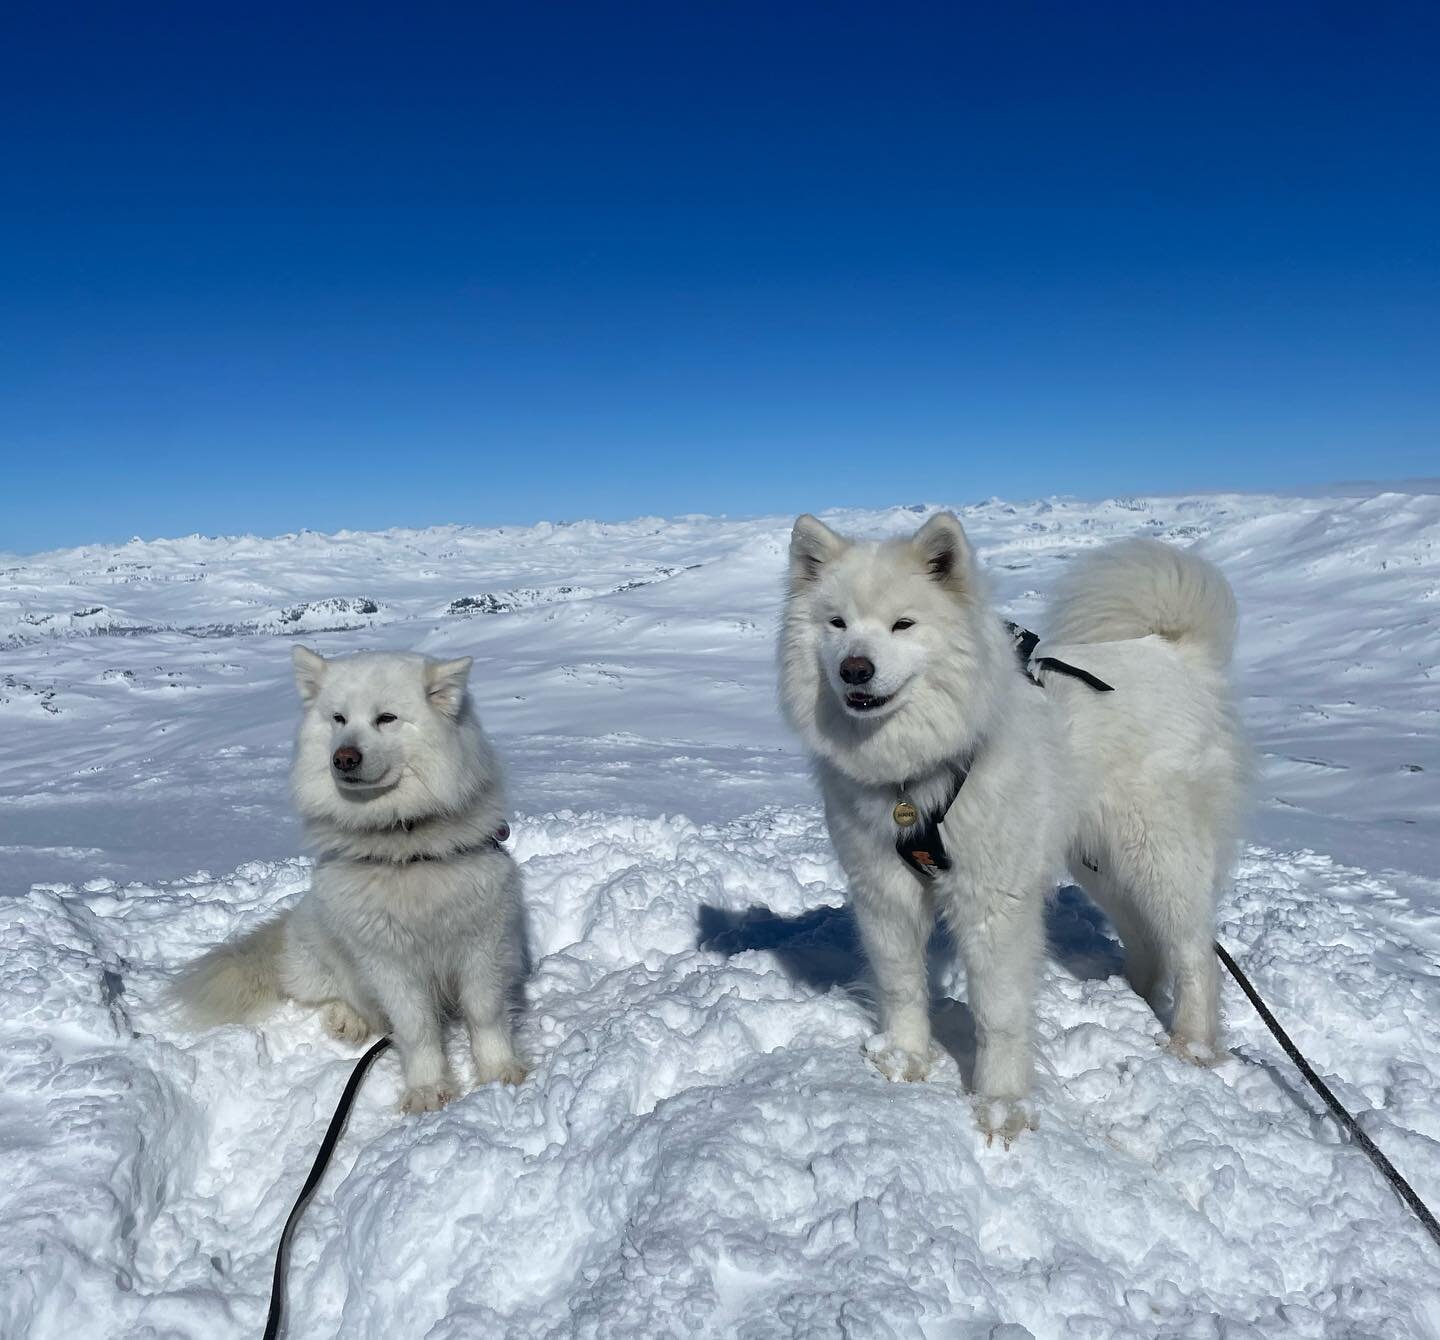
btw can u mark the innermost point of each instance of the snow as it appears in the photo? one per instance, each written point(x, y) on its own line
point(703, 1148)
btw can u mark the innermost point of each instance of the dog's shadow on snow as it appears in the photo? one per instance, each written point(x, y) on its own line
point(821, 949)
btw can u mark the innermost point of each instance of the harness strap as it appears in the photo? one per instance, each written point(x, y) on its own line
point(1025, 643)
point(918, 843)
point(1074, 671)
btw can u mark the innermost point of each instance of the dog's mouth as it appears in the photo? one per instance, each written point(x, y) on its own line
point(860, 702)
point(348, 781)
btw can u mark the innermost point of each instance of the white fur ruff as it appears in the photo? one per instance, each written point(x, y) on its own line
point(383, 942)
point(1148, 784)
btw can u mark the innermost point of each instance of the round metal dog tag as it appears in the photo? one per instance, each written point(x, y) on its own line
point(905, 814)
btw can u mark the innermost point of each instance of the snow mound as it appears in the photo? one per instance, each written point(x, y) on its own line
point(702, 1148)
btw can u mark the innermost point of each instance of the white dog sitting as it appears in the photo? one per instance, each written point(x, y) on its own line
point(414, 909)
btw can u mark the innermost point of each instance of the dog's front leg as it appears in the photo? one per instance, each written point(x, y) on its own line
point(1000, 939)
point(416, 1027)
point(482, 1000)
point(895, 916)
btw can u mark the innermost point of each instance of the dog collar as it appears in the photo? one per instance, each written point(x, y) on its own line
point(492, 843)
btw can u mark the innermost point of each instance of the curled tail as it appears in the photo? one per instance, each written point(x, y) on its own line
point(233, 983)
point(1139, 587)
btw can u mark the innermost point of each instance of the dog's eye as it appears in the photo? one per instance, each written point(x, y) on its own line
point(385, 718)
point(338, 719)
point(837, 622)
point(900, 625)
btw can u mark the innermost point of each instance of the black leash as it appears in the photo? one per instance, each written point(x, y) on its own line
point(276, 1318)
point(1025, 643)
point(1403, 1189)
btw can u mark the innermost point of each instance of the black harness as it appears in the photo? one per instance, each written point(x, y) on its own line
point(918, 842)
point(1025, 643)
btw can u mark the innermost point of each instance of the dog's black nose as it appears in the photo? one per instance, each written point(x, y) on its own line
point(857, 669)
point(347, 758)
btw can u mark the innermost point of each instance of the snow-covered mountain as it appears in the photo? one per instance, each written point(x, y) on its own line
point(702, 1149)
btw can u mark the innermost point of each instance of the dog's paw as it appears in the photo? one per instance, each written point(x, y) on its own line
point(510, 1071)
point(1194, 1052)
point(896, 1063)
point(426, 1098)
point(1005, 1117)
point(344, 1023)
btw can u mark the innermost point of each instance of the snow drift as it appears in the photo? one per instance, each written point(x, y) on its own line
point(702, 1149)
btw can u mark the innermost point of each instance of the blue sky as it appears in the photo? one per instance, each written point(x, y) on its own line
point(269, 267)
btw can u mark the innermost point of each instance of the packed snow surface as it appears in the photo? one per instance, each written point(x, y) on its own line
point(702, 1148)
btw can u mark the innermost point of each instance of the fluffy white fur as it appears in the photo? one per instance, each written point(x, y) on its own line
point(384, 942)
point(1147, 783)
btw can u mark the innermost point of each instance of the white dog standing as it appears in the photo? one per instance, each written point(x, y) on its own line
point(414, 909)
point(927, 731)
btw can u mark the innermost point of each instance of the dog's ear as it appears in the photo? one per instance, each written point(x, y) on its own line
point(812, 545)
point(445, 684)
point(944, 549)
point(309, 671)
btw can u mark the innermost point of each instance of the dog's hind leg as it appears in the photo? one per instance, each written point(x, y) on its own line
point(1195, 1031)
point(312, 976)
point(1144, 957)
point(1163, 897)
point(345, 1023)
